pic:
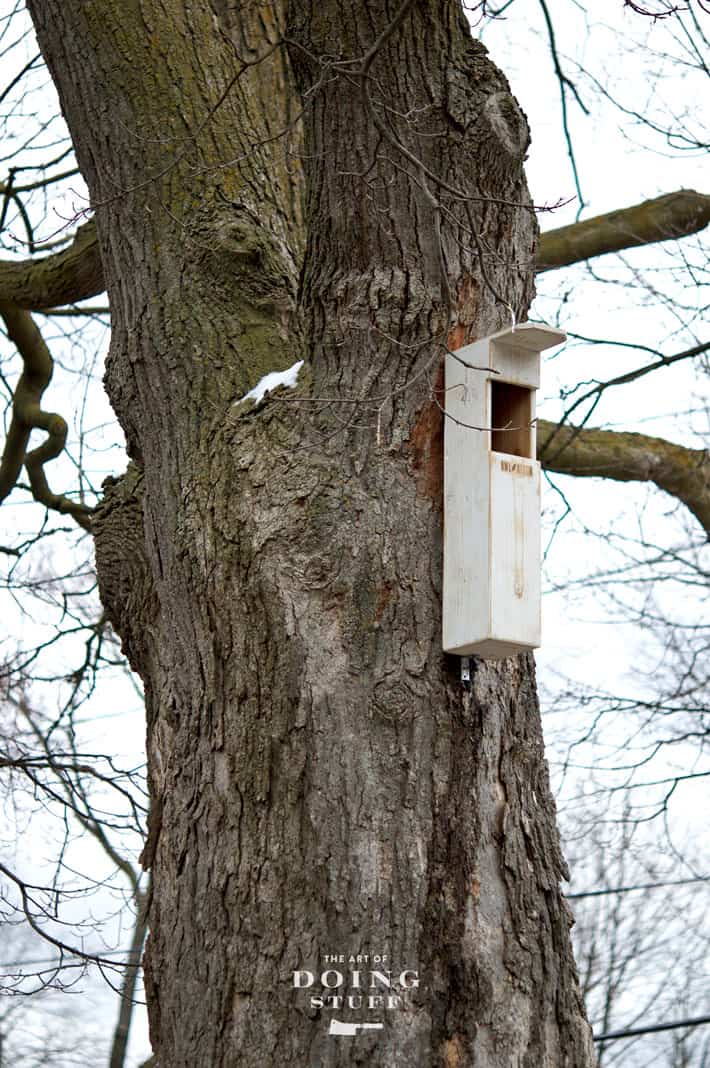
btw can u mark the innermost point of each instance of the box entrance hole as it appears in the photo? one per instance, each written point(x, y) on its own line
point(511, 419)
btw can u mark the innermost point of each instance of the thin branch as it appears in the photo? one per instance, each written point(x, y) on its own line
point(565, 84)
point(594, 394)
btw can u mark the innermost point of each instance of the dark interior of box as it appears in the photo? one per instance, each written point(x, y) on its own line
point(511, 418)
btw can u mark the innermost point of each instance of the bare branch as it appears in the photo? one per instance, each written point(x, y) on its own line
point(566, 85)
point(625, 457)
point(664, 218)
point(28, 415)
point(593, 395)
point(65, 277)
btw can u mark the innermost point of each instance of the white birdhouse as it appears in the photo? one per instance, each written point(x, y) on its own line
point(492, 494)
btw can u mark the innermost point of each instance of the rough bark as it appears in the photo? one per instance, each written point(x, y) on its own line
point(321, 781)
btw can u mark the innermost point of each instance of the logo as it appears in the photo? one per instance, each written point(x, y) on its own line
point(337, 1027)
point(363, 983)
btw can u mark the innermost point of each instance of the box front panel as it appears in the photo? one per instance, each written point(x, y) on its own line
point(515, 549)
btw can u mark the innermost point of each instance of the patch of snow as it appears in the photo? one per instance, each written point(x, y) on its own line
point(271, 381)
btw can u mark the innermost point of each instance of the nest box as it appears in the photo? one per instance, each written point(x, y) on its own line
point(492, 494)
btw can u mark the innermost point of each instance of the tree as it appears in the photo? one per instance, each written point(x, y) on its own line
point(321, 780)
point(312, 755)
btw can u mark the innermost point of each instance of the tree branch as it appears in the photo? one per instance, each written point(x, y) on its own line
point(75, 273)
point(65, 277)
point(565, 84)
point(625, 457)
point(28, 415)
point(665, 218)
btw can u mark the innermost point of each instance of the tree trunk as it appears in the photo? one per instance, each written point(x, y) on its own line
point(322, 783)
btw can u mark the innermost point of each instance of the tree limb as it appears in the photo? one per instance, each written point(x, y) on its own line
point(664, 218)
point(65, 277)
point(75, 273)
point(625, 457)
point(28, 415)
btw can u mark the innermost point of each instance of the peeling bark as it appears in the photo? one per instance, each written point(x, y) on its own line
point(320, 780)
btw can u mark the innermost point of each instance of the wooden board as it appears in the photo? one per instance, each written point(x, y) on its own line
point(491, 594)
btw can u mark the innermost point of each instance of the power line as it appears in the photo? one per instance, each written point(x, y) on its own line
point(637, 886)
point(630, 1031)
